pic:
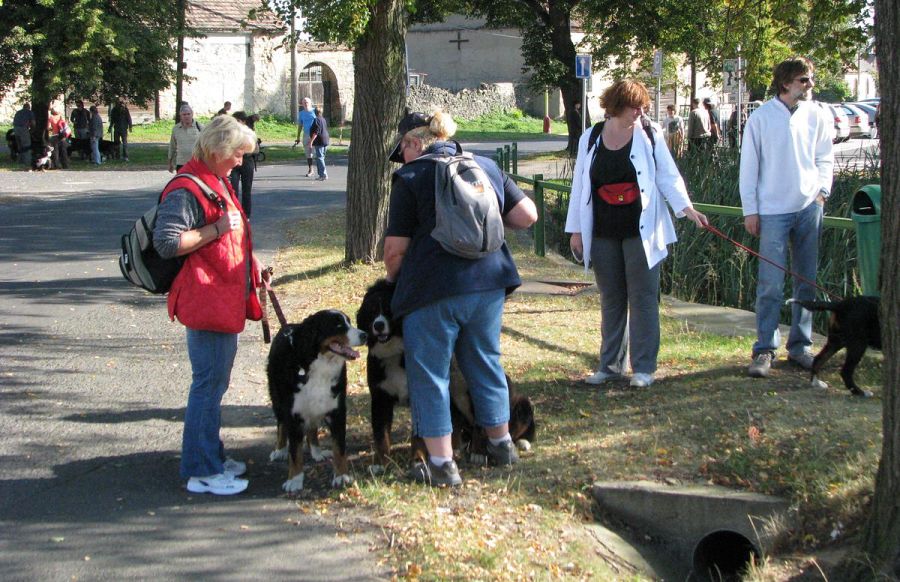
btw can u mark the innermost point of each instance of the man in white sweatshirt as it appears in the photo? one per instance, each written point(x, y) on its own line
point(787, 164)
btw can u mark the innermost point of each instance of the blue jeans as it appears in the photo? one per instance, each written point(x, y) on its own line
point(468, 325)
point(320, 161)
point(212, 356)
point(797, 234)
point(95, 150)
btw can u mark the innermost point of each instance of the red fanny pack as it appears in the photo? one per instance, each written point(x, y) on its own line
point(619, 194)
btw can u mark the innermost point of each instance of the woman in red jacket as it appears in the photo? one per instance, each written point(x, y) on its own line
point(213, 294)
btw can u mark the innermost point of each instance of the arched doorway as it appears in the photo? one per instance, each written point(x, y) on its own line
point(318, 82)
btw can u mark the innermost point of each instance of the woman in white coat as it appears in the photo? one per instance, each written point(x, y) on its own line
point(620, 227)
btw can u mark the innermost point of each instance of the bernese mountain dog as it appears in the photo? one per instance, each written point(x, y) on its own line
point(307, 374)
point(386, 375)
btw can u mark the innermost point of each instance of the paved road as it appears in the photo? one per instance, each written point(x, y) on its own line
point(93, 381)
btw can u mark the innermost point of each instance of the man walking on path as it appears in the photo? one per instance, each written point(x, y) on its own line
point(96, 134)
point(305, 119)
point(787, 164)
point(23, 121)
point(120, 125)
point(80, 119)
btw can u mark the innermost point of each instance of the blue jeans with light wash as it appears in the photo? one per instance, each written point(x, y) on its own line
point(212, 356)
point(320, 161)
point(795, 234)
point(469, 326)
point(95, 151)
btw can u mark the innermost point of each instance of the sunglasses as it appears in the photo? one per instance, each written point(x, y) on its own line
point(804, 80)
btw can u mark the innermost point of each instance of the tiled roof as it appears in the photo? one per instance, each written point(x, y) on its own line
point(228, 15)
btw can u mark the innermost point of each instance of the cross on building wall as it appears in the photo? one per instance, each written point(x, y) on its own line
point(459, 40)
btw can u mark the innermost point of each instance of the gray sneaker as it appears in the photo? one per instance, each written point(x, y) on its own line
point(759, 368)
point(447, 475)
point(804, 360)
point(502, 454)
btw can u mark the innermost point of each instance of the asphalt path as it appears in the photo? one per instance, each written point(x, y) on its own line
point(93, 383)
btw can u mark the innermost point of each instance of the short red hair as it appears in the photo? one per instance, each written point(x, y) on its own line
point(624, 94)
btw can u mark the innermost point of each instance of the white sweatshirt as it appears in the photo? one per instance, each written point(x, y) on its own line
point(786, 159)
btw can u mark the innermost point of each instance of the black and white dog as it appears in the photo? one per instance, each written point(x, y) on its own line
point(307, 373)
point(386, 375)
point(45, 160)
point(854, 325)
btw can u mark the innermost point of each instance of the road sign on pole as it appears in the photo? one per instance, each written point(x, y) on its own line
point(657, 63)
point(582, 66)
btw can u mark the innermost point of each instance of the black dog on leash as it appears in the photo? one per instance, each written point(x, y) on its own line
point(854, 325)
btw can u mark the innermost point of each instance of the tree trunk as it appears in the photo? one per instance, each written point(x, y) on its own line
point(40, 101)
point(379, 61)
point(559, 15)
point(881, 542)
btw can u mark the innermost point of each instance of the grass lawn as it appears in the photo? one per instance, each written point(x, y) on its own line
point(703, 421)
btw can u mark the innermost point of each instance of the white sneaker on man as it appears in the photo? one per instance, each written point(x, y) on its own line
point(599, 377)
point(639, 380)
point(221, 484)
point(236, 468)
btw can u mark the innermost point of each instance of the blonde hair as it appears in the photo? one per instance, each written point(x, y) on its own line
point(223, 136)
point(441, 127)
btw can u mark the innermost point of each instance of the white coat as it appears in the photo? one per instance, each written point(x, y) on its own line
point(659, 183)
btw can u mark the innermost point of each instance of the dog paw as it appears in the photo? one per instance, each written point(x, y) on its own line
point(523, 445)
point(320, 455)
point(279, 455)
point(818, 384)
point(376, 470)
point(294, 485)
point(477, 459)
point(341, 481)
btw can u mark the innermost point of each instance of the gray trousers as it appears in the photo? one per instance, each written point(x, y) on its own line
point(23, 142)
point(629, 305)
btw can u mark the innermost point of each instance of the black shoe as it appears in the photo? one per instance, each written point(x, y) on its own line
point(502, 454)
point(447, 475)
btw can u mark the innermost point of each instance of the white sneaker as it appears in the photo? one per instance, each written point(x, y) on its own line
point(599, 377)
point(236, 468)
point(639, 380)
point(221, 484)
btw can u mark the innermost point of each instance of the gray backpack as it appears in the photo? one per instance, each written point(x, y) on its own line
point(469, 222)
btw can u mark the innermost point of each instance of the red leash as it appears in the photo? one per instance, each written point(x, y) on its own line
point(718, 232)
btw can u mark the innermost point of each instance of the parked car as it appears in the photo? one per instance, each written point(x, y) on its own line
point(859, 120)
point(841, 123)
point(869, 108)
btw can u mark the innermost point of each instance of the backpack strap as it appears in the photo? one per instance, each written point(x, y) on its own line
point(595, 133)
point(204, 187)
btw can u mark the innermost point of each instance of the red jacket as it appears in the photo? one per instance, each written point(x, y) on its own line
point(211, 292)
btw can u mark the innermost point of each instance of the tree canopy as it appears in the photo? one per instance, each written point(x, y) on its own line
point(99, 49)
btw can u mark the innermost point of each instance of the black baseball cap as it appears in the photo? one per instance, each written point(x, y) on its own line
point(409, 122)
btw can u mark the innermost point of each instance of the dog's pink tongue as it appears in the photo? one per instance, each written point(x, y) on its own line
point(346, 351)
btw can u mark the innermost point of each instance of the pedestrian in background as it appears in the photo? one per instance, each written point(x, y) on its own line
point(59, 133)
point(225, 109)
point(787, 165)
point(80, 119)
point(715, 125)
point(620, 226)
point(120, 125)
point(95, 134)
point(674, 131)
point(736, 123)
point(698, 130)
point(242, 176)
point(305, 119)
point(319, 140)
point(23, 122)
point(184, 136)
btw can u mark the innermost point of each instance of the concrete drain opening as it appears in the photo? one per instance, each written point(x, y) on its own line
point(722, 556)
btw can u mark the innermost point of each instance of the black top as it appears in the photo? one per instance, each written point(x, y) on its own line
point(614, 167)
point(429, 273)
point(319, 128)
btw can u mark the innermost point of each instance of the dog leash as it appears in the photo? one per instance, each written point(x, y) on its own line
point(719, 233)
point(267, 290)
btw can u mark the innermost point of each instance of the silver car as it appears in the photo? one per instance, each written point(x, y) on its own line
point(859, 121)
point(841, 123)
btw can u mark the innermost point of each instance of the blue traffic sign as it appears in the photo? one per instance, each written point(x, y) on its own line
point(582, 66)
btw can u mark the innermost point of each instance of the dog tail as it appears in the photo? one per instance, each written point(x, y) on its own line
point(816, 305)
